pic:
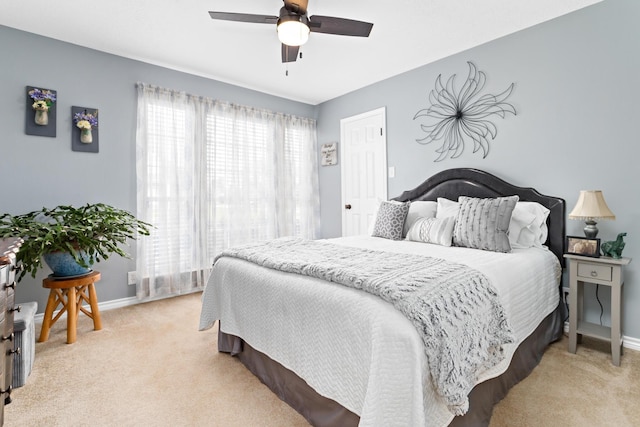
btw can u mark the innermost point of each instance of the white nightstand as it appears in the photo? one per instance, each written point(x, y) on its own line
point(603, 271)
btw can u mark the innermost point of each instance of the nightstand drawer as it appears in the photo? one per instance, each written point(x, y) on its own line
point(594, 271)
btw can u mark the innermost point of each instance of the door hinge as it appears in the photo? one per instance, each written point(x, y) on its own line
point(380, 131)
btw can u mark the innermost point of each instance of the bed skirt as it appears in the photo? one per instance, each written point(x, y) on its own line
point(321, 411)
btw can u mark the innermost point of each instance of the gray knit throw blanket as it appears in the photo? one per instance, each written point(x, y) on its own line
point(454, 308)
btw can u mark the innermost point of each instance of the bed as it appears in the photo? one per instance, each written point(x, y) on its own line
point(344, 357)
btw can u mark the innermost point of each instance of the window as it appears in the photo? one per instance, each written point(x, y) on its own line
point(213, 175)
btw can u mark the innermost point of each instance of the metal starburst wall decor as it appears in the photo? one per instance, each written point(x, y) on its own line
point(455, 117)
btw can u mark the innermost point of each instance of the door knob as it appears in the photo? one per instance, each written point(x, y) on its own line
point(347, 206)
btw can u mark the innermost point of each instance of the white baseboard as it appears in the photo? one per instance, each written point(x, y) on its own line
point(627, 342)
point(632, 343)
point(102, 306)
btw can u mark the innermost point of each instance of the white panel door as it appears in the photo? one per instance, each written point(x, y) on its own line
point(364, 169)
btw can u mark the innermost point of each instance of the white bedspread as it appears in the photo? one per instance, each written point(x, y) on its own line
point(357, 349)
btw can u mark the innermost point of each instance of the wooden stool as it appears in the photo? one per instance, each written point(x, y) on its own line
point(71, 294)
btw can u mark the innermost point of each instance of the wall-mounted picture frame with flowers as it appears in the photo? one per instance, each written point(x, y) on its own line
point(40, 111)
point(84, 129)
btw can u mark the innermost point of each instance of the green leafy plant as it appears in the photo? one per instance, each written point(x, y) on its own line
point(98, 230)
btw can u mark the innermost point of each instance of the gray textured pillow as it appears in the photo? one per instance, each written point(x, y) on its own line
point(390, 220)
point(484, 223)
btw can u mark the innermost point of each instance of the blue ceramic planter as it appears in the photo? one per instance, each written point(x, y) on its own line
point(64, 265)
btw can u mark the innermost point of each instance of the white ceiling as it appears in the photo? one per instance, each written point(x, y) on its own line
point(180, 35)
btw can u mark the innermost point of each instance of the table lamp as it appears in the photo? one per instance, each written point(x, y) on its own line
point(591, 206)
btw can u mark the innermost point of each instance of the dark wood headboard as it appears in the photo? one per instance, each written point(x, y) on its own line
point(452, 183)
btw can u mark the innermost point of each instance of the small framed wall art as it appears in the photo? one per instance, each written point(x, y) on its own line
point(40, 111)
point(329, 154)
point(583, 246)
point(84, 129)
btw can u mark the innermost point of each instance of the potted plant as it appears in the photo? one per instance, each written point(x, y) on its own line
point(83, 236)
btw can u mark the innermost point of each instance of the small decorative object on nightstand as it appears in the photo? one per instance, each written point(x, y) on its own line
point(600, 271)
point(582, 246)
point(614, 248)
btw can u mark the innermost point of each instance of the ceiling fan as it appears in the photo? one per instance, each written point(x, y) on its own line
point(293, 25)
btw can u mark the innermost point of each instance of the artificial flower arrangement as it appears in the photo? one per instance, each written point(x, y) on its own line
point(86, 120)
point(44, 99)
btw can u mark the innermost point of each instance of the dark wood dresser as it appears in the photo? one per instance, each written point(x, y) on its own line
point(8, 268)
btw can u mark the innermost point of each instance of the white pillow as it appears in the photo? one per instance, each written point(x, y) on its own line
point(520, 234)
point(419, 209)
point(447, 208)
point(432, 230)
point(528, 227)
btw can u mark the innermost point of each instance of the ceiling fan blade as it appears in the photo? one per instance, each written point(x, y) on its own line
point(339, 26)
point(289, 53)
point(244, 17)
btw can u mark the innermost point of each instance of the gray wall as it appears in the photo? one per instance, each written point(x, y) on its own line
point(576, 94)
point(40, 171)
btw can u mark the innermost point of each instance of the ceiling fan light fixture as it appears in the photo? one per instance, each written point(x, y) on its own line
point(293, 30)
point(293, 26)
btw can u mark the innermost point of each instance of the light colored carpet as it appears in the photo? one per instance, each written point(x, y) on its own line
point(150, 366)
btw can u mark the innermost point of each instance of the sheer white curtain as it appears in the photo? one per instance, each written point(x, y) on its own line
point(210, 175)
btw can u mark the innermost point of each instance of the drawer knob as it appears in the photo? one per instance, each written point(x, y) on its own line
point(12, 285)
point(17, 267)
point(9, 337)
point(16, 308)
point(594, 273)
point(16, 351)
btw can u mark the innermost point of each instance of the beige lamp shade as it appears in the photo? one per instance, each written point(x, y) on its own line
point(591, 206)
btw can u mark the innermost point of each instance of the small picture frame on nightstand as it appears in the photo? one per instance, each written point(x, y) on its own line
point(583, 246)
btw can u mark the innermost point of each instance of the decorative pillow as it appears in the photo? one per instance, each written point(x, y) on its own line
point(419, 209)
point(484, 223)
point(371, 221)
point(528, 226)
point(432, 230)
point(390, 220)
point(541, 213)
point(447, 208)
point(520, 235)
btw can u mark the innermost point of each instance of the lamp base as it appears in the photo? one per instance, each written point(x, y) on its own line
point(590, 230)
